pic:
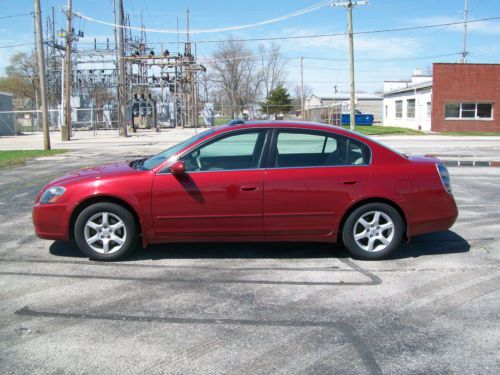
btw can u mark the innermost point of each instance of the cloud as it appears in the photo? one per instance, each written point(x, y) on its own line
point(373, 46)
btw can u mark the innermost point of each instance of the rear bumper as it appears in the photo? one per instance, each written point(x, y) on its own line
point(442, 214)
point(51, 221)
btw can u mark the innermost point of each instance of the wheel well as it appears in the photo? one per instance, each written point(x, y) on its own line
point(100, 199)
point(373, 200)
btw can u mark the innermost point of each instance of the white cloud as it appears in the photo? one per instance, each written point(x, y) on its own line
point(371, 46)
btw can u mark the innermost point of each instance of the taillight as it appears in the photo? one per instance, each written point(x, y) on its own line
point(445, 176)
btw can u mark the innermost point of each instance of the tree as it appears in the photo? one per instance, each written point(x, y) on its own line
point(234, 75)
point(278, 101)
point(297, 92)
point(21, 78)
point(272, 67)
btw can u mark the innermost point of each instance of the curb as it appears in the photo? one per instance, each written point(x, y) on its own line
point(471, 163)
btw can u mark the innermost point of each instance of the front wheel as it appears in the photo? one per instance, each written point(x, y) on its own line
point(105, 231)
point(373, 231)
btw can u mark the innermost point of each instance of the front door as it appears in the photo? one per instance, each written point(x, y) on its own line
point(312, 178)
point(221, 193)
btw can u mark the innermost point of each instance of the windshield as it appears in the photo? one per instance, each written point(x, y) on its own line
point(156, 160)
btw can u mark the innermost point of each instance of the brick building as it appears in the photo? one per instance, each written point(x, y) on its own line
point(466, 97)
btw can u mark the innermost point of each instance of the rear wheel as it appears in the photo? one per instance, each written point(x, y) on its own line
point(373, 231)
point(105, 231)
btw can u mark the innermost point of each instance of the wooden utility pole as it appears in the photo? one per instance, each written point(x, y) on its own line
point(302, 109)
point(117, 65)
point(41, 75)
point(66, 132)
point(122, 97)
point(352, 103)
point(464, 52)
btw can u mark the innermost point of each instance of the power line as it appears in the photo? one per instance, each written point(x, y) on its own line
point(339, 34)
point(355, 33)
point(384, 59)
point(17, 15)
point(306, 10)
point(17, 45)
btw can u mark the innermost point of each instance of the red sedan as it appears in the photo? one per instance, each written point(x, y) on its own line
point(252, 182)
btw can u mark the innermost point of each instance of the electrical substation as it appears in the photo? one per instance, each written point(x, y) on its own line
point(161, 85)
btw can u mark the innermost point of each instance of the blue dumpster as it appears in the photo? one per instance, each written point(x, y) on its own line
point(361, 119)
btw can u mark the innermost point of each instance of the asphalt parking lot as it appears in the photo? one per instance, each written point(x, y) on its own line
point(433, 308)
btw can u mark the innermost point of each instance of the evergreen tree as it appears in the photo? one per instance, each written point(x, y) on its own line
point(278, 101)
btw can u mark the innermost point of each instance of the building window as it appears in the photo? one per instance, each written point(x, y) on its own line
point(410, 108)
point(429, 109)
point(484, 110)
point(472, 111)
point(399, 108)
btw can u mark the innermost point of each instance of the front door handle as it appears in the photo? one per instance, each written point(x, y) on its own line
point(249, 188)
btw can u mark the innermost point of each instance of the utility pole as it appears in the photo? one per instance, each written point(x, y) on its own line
point(464, 52)
point(37, 71)
point(41, 75)
point(352, 103)
point(302, 111)
point(122, 97)
point(117, 64)
point(66, 132)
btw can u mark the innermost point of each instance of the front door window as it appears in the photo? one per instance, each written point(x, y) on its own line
point(233, 152)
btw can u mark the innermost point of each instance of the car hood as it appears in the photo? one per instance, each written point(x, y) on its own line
point(105, 170)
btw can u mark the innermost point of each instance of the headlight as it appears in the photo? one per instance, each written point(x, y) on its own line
point(52, 195)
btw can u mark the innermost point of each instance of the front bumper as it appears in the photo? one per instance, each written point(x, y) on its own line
point(51, 221)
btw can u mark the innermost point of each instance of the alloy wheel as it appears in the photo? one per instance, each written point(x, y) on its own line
point(373, 231)
point(105, 232)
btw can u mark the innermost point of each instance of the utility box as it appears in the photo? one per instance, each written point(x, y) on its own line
point(6, 119)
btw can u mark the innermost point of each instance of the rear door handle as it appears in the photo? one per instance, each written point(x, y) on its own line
point(249, 188)
point(350, 182)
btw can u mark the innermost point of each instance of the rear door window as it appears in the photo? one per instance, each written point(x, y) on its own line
point(317, 149)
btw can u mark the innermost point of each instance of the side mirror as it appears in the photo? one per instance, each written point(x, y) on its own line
point(177, 168)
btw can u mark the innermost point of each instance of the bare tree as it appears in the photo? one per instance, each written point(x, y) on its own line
point(235, 75)
point(21, 79)
point(297, 92)
point(272, 67)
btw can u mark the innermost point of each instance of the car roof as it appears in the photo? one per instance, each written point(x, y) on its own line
point(306, 125)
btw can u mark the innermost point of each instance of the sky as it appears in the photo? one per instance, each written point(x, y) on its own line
point(378, 56)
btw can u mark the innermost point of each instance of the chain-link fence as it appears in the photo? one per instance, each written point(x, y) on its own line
point(106, 118)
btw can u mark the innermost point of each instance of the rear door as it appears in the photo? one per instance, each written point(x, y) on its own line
point(312, 177)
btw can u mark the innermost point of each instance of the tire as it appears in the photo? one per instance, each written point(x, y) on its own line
point(373, 231)
point(106, 223)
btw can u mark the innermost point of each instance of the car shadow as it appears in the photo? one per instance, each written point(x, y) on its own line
point(439, 243)
point(215, 250)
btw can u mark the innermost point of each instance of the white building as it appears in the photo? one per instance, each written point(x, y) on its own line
point(408, 104)
point(366, 103)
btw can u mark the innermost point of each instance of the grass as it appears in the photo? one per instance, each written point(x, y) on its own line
point(385, 130)
point(10, 158)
